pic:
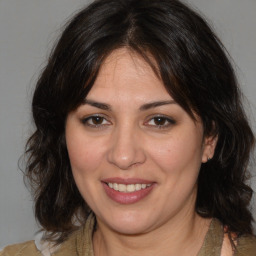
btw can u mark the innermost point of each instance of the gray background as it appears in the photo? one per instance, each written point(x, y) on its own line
point(28, 29)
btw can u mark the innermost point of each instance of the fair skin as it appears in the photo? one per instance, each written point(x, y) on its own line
point(130, 131)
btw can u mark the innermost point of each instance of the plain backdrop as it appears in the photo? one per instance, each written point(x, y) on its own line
point(28, 29)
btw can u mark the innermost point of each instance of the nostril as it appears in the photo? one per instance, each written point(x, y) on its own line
point(125, 151)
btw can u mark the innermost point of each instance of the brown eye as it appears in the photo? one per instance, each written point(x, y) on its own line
point(96, 120)
point(160, 121)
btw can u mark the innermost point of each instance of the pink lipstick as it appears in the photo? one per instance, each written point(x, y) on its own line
point(127, 191)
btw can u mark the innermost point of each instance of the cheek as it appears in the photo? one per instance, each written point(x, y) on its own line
point(85, 158)
point(177, 154)
point(85, 155)
point(179, 164)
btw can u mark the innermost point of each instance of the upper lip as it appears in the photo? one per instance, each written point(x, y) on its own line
point(126, 181)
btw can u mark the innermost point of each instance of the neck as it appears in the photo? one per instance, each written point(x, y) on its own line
point(183, 235)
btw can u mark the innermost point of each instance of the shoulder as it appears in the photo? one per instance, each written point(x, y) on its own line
point(22, 249)
point(36, 248)
point(246, 246)
point(40, 247)
point(78, 243)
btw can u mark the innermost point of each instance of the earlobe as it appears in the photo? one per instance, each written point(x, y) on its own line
point(209, 148)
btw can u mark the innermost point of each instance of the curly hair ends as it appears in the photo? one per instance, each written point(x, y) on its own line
point(194, 67)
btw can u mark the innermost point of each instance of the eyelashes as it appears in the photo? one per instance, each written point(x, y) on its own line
point(160, 122)
point(95, 121)
point(98, 121)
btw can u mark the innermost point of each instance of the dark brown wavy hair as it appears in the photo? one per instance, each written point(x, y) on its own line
point(195, 69)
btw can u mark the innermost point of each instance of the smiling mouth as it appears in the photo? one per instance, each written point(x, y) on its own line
point(127, 191)
point(128, 188)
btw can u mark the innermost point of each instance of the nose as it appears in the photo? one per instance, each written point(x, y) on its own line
point(126, 149)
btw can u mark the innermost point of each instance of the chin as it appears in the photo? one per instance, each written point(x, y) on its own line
point(129, 223)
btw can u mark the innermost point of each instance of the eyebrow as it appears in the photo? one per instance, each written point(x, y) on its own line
point(156, 104)
point(144, 107)
point(96, 104)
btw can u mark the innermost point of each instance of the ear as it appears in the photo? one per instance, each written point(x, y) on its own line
point(209, 146)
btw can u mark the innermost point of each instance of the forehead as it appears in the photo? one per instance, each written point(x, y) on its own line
point(125, 72)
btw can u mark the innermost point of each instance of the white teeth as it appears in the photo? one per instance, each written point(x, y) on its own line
point(127, 188)
point(138, 187)
point(130, 188)
point(115, 186)
point(121, 187)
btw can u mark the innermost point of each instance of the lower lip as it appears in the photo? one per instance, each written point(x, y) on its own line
point(127, 198)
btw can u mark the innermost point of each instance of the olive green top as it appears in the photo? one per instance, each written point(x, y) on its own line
point(80, 244)
point(246, 245)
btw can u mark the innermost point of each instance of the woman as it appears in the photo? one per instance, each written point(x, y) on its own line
point(141, 144)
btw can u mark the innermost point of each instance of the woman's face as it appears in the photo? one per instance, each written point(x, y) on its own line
point(135, 153)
